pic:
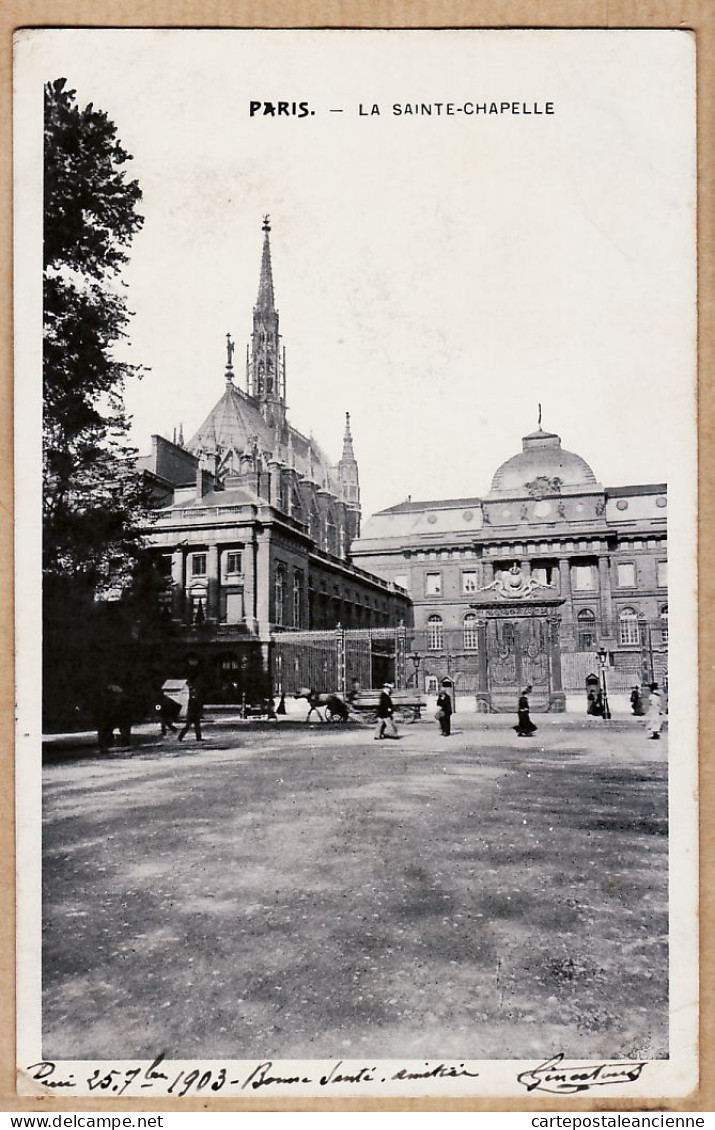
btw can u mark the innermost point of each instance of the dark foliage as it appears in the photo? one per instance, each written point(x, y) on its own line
point(92, 493)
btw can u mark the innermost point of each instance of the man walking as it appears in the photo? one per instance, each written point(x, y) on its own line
point(385, 710)
point(193, 714)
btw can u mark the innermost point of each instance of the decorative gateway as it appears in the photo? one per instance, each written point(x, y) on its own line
point(519, 643)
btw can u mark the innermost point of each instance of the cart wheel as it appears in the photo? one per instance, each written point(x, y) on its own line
point(332, 715)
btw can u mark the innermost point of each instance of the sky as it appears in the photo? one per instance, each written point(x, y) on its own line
point(437, 277)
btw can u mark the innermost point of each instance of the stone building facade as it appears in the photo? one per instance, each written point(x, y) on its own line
point(254, 526)
point(530, 581)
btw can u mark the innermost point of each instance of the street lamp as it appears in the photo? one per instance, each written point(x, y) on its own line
point(417, 659)
point(603, 659)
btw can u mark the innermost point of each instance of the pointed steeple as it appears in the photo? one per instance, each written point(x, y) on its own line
point(348, 452)
point(266, 359)
point(266, 300)
point(349, 477)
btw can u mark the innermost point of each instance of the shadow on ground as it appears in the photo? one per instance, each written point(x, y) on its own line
point(307, 892)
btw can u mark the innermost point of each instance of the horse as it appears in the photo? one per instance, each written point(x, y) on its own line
point(335, 710)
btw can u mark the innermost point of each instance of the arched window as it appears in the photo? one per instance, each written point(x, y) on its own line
point(435, 636)
point(471, 642)
point(628, 627)
point(664, 625)
point(586, 630)
point(278, 596)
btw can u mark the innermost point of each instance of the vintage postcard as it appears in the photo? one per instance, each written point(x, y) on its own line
point(356, 488)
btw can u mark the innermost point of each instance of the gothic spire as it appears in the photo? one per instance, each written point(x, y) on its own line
point(266, 300)
point(348, 452)
point(266, 359)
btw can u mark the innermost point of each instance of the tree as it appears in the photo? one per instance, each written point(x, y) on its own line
point(93, 497)
point(92, 493)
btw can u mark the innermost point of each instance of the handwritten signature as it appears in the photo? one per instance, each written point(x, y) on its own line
point(117, 1081)
point(558, 1078)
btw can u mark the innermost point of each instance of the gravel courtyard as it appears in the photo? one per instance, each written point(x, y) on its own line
point(284, 890)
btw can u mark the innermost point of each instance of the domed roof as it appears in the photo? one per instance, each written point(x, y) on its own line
point(542, 467)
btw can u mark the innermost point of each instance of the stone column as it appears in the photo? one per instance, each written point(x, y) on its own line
point(557, 698)
point(213, 578)
point(567, 607)
point(250, 555)
point(483, 696)
point(526, 568)
point(178, 581)
point(263, 584)
point(604, 584)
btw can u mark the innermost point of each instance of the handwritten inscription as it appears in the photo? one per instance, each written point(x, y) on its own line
point(160, 1077)
point(557, 1078)
point(553, 1076)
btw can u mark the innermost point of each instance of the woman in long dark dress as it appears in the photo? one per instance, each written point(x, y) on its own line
point(444, 712)
point(524, 727)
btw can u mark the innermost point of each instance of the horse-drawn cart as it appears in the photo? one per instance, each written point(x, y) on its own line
point(407, 705)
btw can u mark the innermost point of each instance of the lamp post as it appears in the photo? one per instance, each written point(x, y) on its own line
point(603, 659)
point(417, 659)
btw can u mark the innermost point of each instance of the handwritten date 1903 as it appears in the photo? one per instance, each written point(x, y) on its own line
point(164, 1078)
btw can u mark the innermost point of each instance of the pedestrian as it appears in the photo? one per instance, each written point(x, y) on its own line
point(637, 702)
point(193, 714)
point(524, 727)
point(444, 711)
point(385, 711)
point(654, 719)
point(167, 711)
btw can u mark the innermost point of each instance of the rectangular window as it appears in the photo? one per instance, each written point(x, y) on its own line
point(662, 569)
point(542, 574)
point(234, 562)
point(433, 584)
point(626, 576)
point(198, 565)
point(469, 581)
point(583, 578)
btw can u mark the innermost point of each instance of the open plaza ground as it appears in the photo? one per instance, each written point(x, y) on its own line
point(289, 890)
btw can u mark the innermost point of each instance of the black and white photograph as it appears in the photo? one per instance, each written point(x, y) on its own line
point(356, 465)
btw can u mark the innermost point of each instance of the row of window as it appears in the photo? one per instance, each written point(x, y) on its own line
point(630, 624)
point(584, 578)
point(233, 560)
point(435, 633)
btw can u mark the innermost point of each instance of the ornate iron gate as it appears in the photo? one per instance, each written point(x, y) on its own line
point(518, 655)
point(338, 660)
